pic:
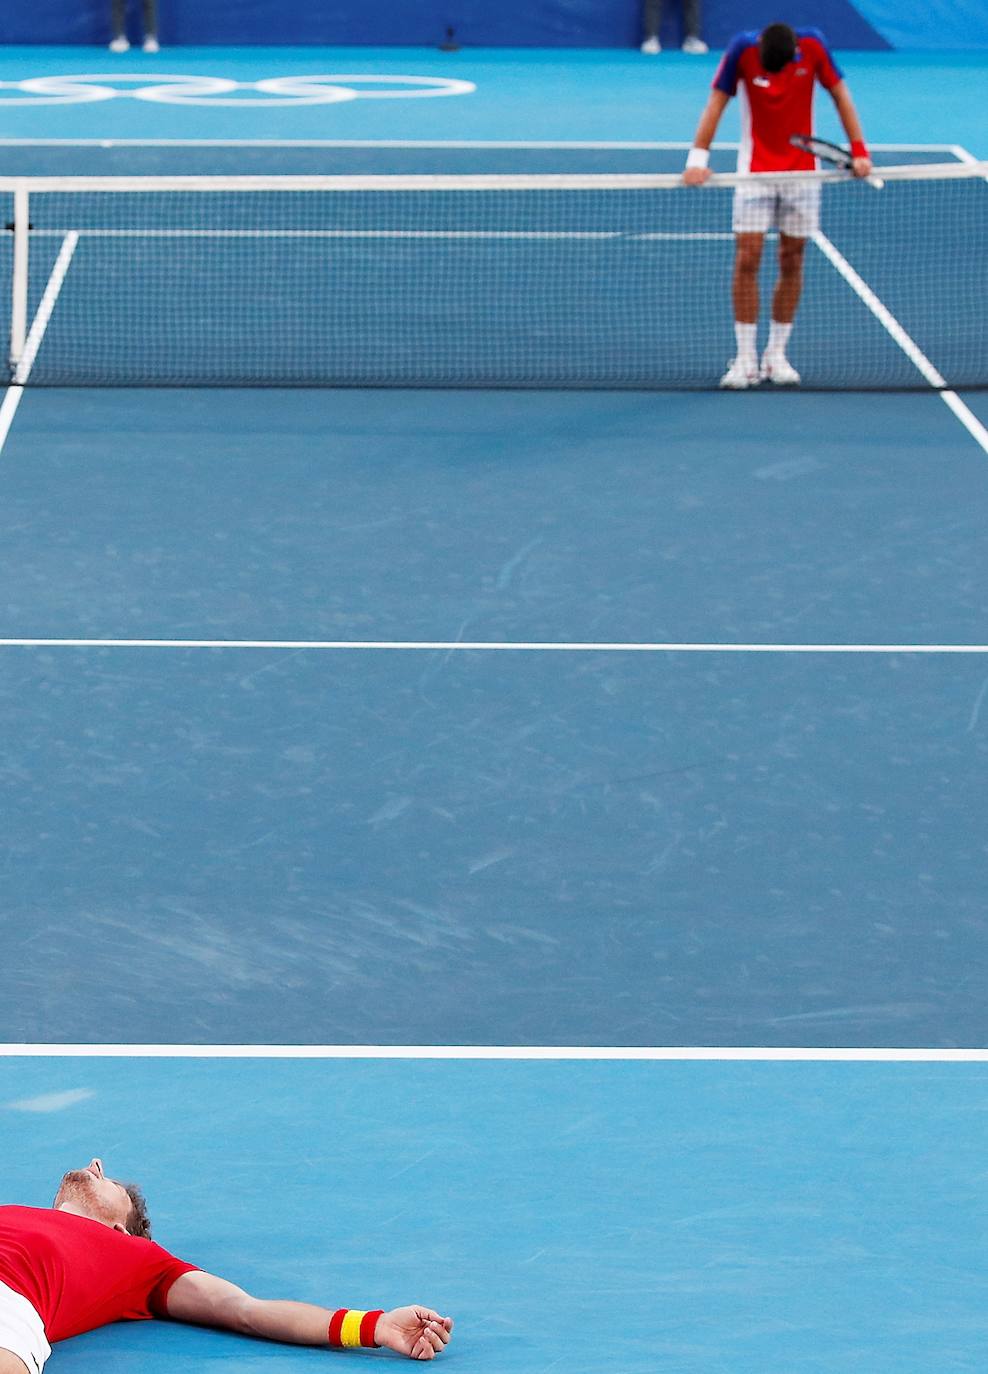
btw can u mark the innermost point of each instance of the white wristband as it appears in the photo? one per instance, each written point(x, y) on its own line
point(698, 157)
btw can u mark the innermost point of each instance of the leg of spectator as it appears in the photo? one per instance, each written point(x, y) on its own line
point(118, 18)
point(651, 23)
point(150, 26)
point(692, 42)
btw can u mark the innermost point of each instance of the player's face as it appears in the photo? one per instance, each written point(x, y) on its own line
point(90, 1192)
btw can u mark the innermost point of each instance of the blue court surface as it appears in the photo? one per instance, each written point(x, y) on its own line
point(694, 1218)
point(368, 722)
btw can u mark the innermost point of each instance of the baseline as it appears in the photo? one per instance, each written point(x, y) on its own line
point(553, 1053)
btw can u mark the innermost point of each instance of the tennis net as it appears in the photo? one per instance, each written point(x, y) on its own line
point(458, 281)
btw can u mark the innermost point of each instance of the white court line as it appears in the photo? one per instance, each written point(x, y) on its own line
point(674, 1054)
point(46, 306)
point(8, 409)
point(526, 234)
point(908, 345)
point(675, 145)
point(502, 646)
point(14, 392)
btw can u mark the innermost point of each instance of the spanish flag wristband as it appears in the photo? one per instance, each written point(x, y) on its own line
point(349, 1329)
point(859, 149)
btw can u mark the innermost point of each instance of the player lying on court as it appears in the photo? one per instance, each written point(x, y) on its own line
point(776, 72)
point(89, 1260)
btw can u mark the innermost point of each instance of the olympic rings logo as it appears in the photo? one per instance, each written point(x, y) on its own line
point(219, 90)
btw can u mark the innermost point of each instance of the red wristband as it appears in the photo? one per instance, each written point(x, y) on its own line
point(368, 1327)
point(859, 149)
point(363, 1334)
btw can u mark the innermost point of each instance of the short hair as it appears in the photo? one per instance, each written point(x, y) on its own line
point(777, 46)
point(138, 1221)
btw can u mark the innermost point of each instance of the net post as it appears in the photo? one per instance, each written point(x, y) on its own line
point(18, 294)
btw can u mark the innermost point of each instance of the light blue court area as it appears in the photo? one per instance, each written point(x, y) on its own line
point(398, 94)
point(693, 1218)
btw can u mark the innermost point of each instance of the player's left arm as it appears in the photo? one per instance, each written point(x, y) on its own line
point(848, 115)
point(206, 1300)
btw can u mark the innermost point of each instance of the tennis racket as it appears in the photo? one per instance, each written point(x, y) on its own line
point(832, 153)
point(826, 152)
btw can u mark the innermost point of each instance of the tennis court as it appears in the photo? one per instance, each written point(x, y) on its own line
point(564, 805)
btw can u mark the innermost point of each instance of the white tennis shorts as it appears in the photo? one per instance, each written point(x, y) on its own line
point(793, 210)
point(22, 1331)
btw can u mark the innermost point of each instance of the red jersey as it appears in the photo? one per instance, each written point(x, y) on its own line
point(775, 105)
point(79, 1274)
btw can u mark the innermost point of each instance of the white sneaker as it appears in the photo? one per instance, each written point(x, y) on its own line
point(119, 44)
point(651, 46)
point(740, 375)
point(694, 45)
point(777, 368)
point(151, 44)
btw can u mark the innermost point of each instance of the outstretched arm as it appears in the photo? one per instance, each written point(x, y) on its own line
point(704, 136)
point(848, 115)
point(417, 1332)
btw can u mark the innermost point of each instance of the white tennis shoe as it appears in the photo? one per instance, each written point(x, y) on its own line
point(651, 46)
point(119, 44)
point(692, 44)
point(740, 375)
point(151, 44)
point(777, 368)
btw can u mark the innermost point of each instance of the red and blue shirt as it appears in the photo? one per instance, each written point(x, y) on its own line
point(775, 105)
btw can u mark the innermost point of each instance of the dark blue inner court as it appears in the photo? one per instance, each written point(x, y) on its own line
point(599, 847)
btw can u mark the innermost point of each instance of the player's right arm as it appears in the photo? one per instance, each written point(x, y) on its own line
point(206, 1300)
point(704, 136)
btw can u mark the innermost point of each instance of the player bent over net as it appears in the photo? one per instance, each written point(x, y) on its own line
point(89, 1260)
point(775, 73)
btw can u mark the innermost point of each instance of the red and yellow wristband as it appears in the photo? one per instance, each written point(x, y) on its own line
point(349, 1328)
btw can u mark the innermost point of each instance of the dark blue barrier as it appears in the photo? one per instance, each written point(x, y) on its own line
point(474, 23)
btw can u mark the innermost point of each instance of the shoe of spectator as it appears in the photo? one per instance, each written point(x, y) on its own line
point(151, 44)
point(693, 44)
point(651, 46)
point(120, 44)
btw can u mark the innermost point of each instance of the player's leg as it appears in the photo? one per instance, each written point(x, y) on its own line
point(10, 1364)
point(799, 220)
point(776, 367)
point(743, 371)
point(754, 213)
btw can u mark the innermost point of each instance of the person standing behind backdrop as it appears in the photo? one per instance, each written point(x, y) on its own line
point(652, 22)
point(120, 42)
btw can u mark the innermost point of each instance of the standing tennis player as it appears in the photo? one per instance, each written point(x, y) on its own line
point(89, 1260)
point(776, 72)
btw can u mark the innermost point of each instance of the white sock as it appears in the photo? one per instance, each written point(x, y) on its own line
point(778, 338)
point(747, 337)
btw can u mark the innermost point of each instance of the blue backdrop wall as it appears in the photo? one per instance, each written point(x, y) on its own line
point(481, 23)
